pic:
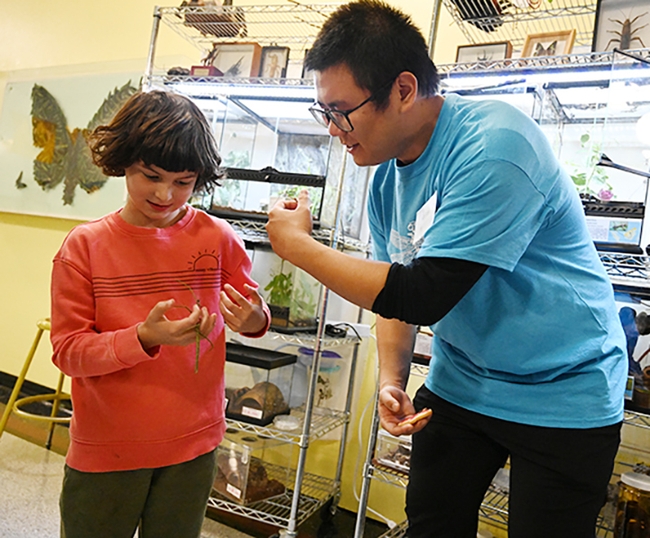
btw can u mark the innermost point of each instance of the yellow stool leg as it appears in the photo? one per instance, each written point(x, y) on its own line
point(20, 380)
point(55, 409)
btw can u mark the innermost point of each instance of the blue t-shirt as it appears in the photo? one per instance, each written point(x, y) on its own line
point(537, 340)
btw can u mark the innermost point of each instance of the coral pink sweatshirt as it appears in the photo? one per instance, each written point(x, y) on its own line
point(132, 410)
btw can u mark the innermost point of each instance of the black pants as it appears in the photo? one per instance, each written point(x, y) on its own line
point(558, 477)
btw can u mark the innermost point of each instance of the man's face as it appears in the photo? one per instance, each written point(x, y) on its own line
point(372, 140)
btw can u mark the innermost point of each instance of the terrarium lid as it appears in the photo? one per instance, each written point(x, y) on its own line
point(636, 480)
point(328, 354)
point(257, 357)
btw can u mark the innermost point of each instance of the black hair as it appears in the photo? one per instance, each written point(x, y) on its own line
point(376, 42)
point(159, 128)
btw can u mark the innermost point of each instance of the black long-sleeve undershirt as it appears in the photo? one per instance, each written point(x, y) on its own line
point(424, 291)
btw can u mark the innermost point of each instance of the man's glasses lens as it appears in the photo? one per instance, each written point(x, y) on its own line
point(336, 117)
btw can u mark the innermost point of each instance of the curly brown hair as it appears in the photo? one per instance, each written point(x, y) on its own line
point(159, 128)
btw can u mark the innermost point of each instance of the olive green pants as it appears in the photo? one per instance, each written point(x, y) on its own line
point(168, 502)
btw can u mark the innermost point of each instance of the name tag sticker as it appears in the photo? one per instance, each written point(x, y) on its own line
point(424, 218)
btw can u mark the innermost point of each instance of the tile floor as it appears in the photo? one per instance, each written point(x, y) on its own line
point(30, 481)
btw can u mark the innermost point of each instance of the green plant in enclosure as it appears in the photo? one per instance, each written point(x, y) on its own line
point(592, 179)
point(293, 191)
point(287, 290)
point(280, 288)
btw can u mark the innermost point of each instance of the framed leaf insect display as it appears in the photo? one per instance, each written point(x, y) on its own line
point(548, 44)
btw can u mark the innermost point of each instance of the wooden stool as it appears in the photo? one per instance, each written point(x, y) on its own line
point(14, 403)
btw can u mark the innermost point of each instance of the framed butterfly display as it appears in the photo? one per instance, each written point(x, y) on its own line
point(548, 44)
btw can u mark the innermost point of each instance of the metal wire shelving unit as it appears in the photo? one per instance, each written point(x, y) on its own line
point(322, 422)
point(483, 21)
point(294, 26)
point(542, 64)
point(315, 492)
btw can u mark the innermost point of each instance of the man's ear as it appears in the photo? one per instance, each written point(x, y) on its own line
point(407, 86)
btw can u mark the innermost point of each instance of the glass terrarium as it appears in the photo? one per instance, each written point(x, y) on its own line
point(243, 473)
point(393, 452)
point(599, 123)
point(634, 314)
point(272, 148)
point(250, 194)
point(258, 383)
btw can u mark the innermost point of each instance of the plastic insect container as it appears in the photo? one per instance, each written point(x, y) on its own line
point(393, 452)
point(633, 506)
point(243, 474)
point(331, 383)
point(258, 383)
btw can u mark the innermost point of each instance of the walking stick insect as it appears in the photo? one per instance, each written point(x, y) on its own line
point(627, 34)
point(197, 328)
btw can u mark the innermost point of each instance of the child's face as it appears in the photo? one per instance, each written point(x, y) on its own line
point(156, 197)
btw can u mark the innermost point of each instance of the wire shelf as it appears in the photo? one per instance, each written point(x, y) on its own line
point(314, 493)
point(323, 421)
point(628, 273)
point(541, 63)
point(387, 475)
point(483, 21)
point(294, 26)
point(494, 507)
point(255, 232)
point(309, 340)
point(640, 420)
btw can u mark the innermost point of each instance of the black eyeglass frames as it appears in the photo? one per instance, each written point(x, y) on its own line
point(341, 118)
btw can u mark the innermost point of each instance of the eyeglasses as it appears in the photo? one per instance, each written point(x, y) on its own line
point(341, 118)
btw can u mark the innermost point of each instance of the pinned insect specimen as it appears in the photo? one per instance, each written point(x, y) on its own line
point(627, 33)
point(197, 328)
point(19, 182)
point(549, 50)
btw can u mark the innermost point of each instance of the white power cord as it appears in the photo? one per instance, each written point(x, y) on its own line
point(389, 522)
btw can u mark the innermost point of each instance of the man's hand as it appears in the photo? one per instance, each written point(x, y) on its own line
point(242, 315)
point(394, 406)
point(289, 221)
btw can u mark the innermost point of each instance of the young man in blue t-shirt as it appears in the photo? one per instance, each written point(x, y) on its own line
point(478, 232)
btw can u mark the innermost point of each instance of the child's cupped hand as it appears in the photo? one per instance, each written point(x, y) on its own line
point(158, 330)
point(242, 314)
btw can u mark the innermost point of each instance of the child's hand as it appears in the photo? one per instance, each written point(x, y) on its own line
point(157, 330)
point(242, 315)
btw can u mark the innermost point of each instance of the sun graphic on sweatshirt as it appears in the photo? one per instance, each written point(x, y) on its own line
point(204, 261)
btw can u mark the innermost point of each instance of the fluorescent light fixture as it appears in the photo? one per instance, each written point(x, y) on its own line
point(225, 89)
point(476, 79)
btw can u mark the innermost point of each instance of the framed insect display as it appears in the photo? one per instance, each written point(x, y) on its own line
point(621, 24)
point(235, 59)
point(483, 52)
point(274, 62)
point(549, 44)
